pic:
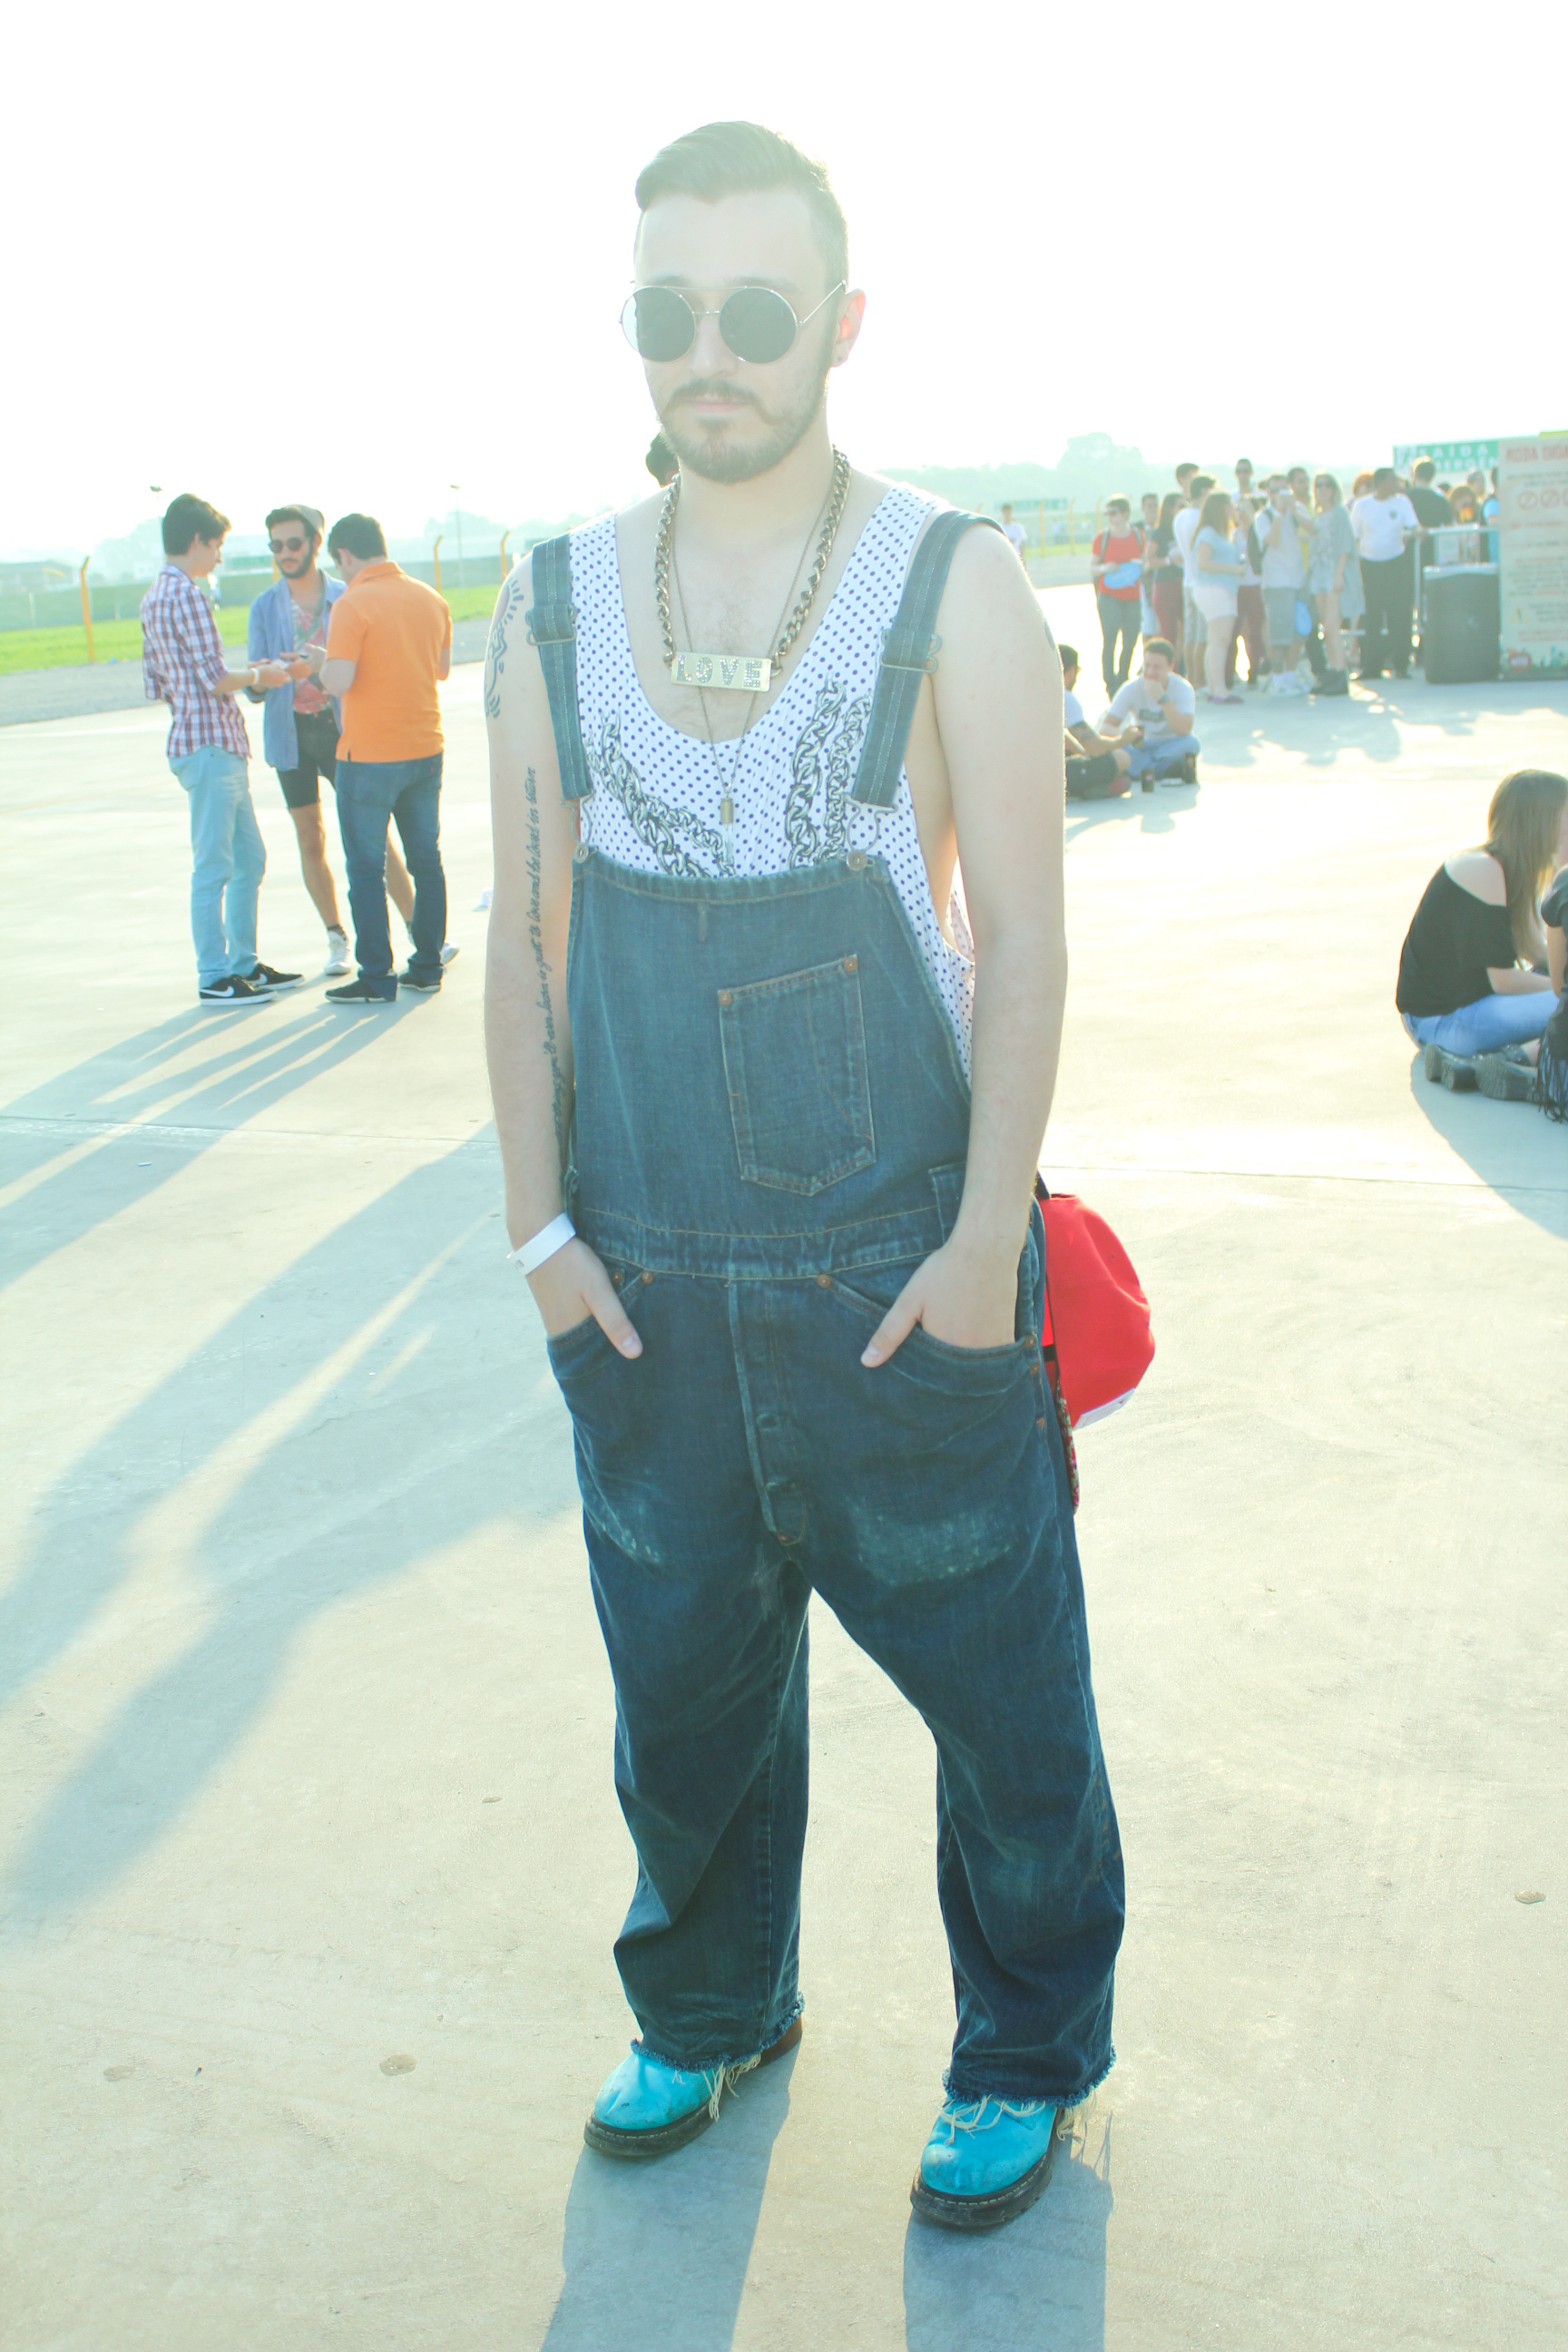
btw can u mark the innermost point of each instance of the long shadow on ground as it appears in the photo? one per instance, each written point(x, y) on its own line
point(345, 1422)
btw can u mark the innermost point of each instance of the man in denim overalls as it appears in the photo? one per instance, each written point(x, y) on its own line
point(781, 1237)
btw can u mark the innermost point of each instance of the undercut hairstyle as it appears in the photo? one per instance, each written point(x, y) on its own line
point(1522, 825)
point(738, 159)
point(360, 534)
point(1423, 471)
point(1069, 655)
point(1159, 646)
point(308, 517)
point(190, 518)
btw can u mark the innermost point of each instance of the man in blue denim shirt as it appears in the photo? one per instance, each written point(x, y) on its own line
point(301, 723)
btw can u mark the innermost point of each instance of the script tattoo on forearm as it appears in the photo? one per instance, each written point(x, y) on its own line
point(560, 1107)
point(495, 651)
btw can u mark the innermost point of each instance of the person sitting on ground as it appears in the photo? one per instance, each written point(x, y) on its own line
point(1282, 567)
point(1552, 1060)
point(1155, 713)
point(1097, 768)
point(1474, 973)
point(1115, 564)
point(1219, 564)
point(1334, 580)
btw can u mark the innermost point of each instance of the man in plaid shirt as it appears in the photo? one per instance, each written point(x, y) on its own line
point(183, 665)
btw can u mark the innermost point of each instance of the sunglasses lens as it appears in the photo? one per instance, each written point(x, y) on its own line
point(657, 323)
point(757, 324)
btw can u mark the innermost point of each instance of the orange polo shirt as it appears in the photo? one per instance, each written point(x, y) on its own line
point(393, 630)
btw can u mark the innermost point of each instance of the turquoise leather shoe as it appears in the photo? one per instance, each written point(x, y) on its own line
point(986, 2160)
point(647, 2108)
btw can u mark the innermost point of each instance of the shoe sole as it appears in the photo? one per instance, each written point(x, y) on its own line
point(421, 987)
point(278, 987)
point(353, 1003)
point(990, 2211)
point(1502, 1081)
point(641, 2147)
point(1450, 1070)
point(231, 1003)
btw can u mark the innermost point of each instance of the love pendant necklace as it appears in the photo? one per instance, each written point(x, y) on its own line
point(726, 784)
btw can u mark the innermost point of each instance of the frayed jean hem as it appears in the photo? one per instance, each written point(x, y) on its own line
point(968, 2086)
point(743, 2060)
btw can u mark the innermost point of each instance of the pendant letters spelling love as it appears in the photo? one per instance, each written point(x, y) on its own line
point(746, 673)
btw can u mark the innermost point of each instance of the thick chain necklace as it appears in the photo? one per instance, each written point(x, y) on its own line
point(744, 673)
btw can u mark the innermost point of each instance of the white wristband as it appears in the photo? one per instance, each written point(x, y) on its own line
point(531, 1256)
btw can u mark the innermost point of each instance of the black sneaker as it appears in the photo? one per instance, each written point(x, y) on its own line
point(426, 983)
point(268, 982)
point(1456, 1072)
point(232, 991)
point(1506, 1077)
point(364, 992)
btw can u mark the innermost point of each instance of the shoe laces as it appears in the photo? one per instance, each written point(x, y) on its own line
point(970, 2116)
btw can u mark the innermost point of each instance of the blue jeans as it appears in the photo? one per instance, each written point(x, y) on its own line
point(1482, 1027)
point(409, 791)
point(1160, 759)
point(769, 1127)
point(227, 861)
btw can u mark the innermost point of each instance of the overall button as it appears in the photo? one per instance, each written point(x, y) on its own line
point(581, 853)
point(857, 861)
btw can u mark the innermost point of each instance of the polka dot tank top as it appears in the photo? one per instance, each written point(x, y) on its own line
point(657, 802)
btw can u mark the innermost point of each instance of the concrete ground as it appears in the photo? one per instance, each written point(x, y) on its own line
point(310, 1852)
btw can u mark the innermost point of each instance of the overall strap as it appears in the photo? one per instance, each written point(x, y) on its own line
point(908, 651)
point(552, 621)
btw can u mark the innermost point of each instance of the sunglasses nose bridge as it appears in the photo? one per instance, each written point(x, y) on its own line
point(710, 353)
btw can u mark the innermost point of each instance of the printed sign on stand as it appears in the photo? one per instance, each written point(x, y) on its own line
point(1453, 459)
point(1532, 550)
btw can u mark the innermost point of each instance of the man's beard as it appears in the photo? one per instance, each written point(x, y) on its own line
point(707, 453)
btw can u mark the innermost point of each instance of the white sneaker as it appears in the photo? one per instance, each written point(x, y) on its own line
point(447, 952)
point(338, 956)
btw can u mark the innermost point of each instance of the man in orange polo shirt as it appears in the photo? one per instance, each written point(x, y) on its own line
point(388, 645)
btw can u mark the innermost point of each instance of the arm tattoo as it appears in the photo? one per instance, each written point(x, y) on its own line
point(560, 1107)
point(495, 652)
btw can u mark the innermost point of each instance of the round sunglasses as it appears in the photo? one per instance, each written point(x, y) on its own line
point(757, 324)
point(285, 546)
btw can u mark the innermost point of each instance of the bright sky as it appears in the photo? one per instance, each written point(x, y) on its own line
point(393, 261)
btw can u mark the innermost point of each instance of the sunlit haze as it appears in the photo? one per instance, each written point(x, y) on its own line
point(390, 259)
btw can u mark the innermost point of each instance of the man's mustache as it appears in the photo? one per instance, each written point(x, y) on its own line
point(706, 387)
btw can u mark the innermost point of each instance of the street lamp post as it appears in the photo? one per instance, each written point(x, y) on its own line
point(456, 488)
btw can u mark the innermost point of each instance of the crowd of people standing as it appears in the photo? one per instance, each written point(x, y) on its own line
point(1313, 587)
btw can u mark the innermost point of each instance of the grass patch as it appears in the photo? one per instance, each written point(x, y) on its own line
point(113, 641)
point(122, 640)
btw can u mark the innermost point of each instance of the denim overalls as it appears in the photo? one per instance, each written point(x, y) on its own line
point(770, 1131)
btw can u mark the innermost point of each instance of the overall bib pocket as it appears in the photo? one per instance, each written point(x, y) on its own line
point(794, 1065)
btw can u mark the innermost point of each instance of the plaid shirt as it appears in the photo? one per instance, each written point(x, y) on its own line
point(182, 658)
